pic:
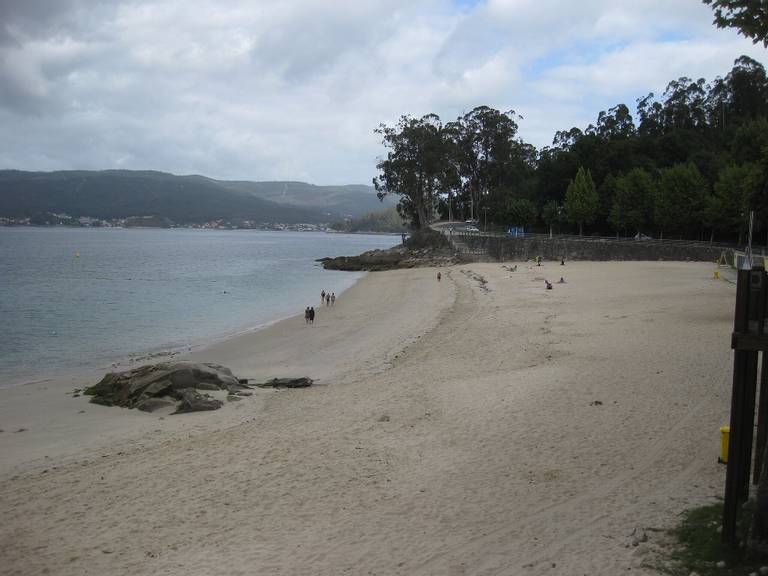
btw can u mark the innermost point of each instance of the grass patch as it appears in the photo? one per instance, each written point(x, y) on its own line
point(696, 546)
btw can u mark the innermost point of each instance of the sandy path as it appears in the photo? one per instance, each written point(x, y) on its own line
point(455, 432)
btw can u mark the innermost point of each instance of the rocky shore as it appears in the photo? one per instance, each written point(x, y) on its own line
point(397, 257)
point(421, 249)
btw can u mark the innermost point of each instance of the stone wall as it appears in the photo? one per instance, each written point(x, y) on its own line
point(503, 248)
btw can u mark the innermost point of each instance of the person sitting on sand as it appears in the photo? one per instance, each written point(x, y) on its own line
point(562, 261)
point(561, 281)
point(548, 284)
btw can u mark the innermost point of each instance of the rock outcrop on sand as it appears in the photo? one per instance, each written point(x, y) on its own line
point(156, 386)
point(425, 248)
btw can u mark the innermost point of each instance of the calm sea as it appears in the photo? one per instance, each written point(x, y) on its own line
point(72, 300)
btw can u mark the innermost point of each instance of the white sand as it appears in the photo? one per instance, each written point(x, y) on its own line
point(452, 432)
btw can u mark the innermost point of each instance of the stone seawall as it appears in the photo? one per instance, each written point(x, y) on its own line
point(597, 249)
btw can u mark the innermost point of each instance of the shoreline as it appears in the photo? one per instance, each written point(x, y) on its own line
point(55, 395)
point(154, 356)
point(163, 353)
point(477, 425)
point(136, 359)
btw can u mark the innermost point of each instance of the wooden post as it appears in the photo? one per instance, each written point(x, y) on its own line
point(762, 415)
point(748, 422)
point(755, 324)
point(734, 477)
point(742, 407)
point(762, 411)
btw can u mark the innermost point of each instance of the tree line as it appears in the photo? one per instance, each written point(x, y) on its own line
point(691, 163)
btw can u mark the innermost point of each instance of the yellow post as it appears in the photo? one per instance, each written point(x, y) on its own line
point(717, 274)
point(725, 432)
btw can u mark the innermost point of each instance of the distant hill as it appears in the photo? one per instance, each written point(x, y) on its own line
point(335, 201)
point(387, 220)
point(114, 194)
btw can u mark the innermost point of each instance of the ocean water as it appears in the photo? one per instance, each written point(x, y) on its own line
point(76, 299)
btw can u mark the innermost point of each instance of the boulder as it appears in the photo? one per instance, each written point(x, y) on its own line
point(155, 386)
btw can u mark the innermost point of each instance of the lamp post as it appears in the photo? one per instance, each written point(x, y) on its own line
point(485, 218)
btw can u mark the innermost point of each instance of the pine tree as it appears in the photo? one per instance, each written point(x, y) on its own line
point(581, 199)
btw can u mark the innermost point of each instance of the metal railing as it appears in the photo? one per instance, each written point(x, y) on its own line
point(601, 239)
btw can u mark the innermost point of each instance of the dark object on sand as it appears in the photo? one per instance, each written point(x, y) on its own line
point(302, 382)
point(157, 386)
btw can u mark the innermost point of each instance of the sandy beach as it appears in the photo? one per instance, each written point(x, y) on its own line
point(477, 426)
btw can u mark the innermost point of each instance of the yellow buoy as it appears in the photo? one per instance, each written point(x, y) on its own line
point(725, 432)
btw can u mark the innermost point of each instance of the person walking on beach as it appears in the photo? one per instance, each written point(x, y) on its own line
point(311, 314)
point(333, 298)
point(327, 299)
point(439, 276)
point(322, 296)
point(307, 315)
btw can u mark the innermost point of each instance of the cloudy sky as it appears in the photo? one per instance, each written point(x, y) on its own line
point(292, 89)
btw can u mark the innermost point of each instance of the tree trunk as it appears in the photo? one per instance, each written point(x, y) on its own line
point(422, 213)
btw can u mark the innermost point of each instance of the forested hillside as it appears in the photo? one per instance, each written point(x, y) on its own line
point(335, 201)
point(115, 194)
point(691, 162)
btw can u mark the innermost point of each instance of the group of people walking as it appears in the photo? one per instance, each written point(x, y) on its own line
point(327, 298)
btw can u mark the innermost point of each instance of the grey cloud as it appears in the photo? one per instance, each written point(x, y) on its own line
point(311, 40)
point(24, 19)
point(41, 44)
point(278, 90)
point(30, 18)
